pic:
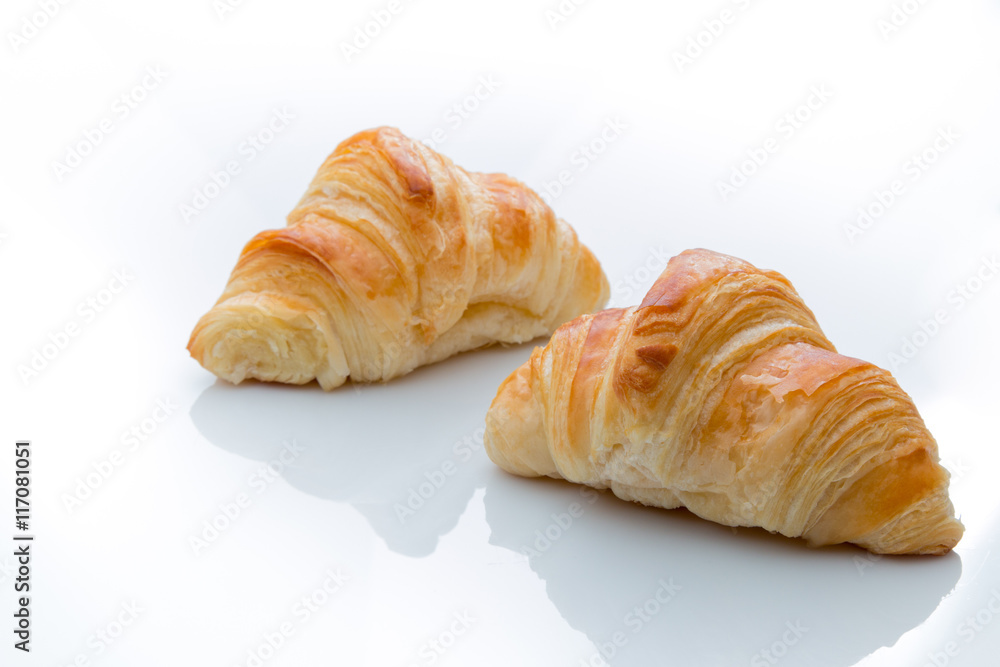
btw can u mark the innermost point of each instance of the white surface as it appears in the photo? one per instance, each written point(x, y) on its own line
point(652, 191)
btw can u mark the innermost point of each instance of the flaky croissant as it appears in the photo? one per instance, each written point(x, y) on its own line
point(395, 258)
point(720, 393)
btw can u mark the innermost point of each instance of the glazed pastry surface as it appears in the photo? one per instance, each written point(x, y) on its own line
point(395, 257)
point(720, 393)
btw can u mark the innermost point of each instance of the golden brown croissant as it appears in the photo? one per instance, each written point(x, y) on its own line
point(395, 258)
point(720, 393)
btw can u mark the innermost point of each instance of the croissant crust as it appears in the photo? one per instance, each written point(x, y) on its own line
point(720, 393)
point(395, 258)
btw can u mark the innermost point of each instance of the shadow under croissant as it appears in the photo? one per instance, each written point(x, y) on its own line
point(371, 445)
point(741, 591)
point(368, 445)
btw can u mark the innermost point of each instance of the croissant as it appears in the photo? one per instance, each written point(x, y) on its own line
point(720, 393)
point(395, 258)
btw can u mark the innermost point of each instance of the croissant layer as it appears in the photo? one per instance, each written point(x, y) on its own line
point(720, 393)
point(393, 258)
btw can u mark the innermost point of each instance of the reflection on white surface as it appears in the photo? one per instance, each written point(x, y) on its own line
point(638, 582)
point(382, 448)
point(741, 591)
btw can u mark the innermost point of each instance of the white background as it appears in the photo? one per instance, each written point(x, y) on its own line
point(652, 191)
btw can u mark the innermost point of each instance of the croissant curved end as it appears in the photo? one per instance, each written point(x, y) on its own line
point(899, 507)
point(514, 437)
point(268, 337)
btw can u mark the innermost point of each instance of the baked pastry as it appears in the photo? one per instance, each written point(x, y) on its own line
point(395, 258)
point(720, 393)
